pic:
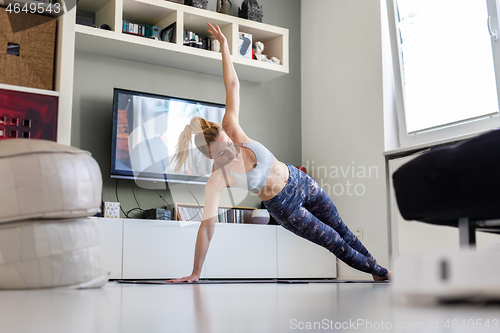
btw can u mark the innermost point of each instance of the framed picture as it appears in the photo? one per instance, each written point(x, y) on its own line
point(27, 115)
point(168, 33)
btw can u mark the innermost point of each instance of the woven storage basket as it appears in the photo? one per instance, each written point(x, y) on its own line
point(35, 35)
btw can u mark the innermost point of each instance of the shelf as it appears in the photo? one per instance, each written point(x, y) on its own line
point(162, 13)
point(141, 49)
point(144, 12)
point(195, 215)
point(29, 90)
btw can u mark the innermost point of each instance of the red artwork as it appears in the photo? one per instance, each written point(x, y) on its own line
point(27, 115)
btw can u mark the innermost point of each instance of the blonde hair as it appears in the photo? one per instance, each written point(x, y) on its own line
point(205, 132)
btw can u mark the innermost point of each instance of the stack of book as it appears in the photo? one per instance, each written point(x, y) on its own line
point(235, 215)
point(225, 215)
point(193, 40)
point(144, 30)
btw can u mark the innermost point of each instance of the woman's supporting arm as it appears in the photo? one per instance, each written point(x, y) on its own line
point(205, 233)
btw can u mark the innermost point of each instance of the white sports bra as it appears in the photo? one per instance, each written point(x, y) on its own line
point(255, 179)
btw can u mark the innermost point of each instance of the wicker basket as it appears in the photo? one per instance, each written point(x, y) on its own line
point(34, 37)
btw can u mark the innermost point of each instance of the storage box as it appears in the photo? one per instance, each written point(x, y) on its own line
point(112, 210)
point(84, 20)
point(30, 39)
point(245, 47)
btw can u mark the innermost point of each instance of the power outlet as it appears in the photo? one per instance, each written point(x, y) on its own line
point(358, 233)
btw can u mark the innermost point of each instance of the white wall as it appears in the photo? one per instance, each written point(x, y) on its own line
point(343, 115)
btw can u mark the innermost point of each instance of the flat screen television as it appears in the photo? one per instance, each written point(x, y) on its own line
point(146, 129)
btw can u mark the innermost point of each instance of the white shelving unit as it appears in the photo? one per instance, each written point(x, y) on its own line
point(162, 13)
point(152, 249)
point(29, 90)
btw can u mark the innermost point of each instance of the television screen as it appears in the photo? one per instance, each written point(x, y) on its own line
point(146, 129)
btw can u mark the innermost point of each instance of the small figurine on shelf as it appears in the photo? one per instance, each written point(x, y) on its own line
point(250, 10)
point(215, 45)
point(221, 6)
point(276, 60)
point(259, 47)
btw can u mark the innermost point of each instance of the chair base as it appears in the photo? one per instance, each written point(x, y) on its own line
point(466, 274)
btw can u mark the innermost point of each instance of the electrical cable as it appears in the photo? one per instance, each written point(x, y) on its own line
point(118, 200)
point(168, 206)
point(121, 208)
point(133, 192)
point(228, 189)
point(199, 206)
point(136, 201)
point(140, 209)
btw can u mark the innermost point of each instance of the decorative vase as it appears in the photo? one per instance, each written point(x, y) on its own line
point(216, 45)
point(260, 216)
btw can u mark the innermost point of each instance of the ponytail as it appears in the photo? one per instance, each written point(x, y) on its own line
point(204, 132)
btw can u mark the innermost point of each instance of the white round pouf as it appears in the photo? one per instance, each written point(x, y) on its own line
point(44, 179)
point(51, 253)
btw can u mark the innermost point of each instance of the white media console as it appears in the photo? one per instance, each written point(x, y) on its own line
point(153, 249)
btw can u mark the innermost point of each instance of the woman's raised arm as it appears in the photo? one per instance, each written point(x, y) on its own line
point(230, 123)
point(231, 81)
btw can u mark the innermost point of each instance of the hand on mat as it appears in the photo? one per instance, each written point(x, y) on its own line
point(190, 278)
point(216, 33)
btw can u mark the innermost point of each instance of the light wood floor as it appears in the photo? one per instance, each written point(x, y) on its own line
point(232, 308)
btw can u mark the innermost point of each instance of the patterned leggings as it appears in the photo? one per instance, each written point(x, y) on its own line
point(303, 208)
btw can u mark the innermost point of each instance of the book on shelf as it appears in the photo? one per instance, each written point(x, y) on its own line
point(144, 30)
point(191, 212)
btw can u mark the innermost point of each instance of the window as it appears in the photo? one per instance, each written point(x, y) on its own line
point(445, 64)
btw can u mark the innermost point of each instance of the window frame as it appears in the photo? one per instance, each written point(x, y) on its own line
point(446, 132)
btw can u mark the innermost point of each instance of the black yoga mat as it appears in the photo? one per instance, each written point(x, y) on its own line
point(235, 281)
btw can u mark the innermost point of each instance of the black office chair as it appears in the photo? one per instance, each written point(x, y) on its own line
point(456, 185)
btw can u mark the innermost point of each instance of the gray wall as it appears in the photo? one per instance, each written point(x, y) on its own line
point(343, 115)
point(270, 112)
